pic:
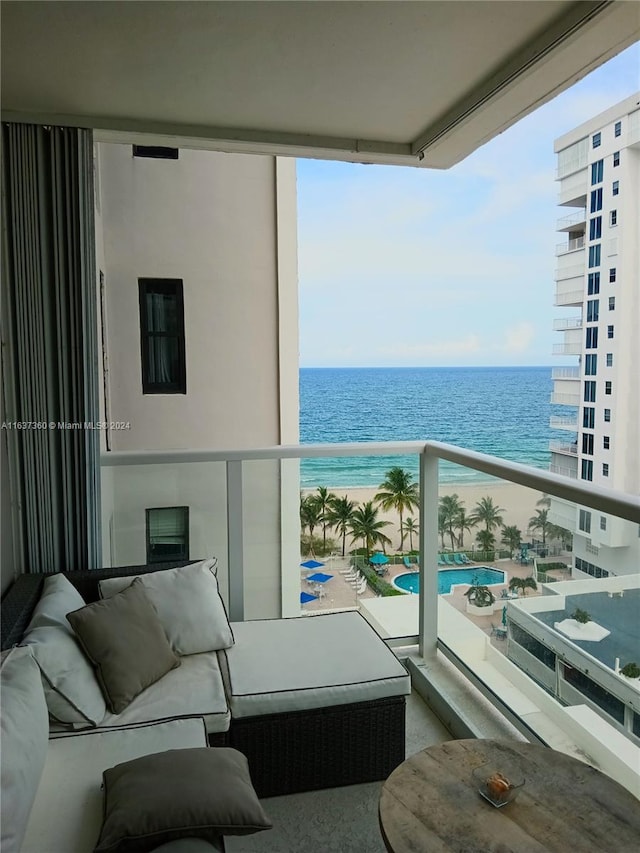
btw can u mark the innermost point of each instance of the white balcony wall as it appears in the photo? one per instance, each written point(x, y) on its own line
point(563, 513)
point(565, 387)
point(573, 189)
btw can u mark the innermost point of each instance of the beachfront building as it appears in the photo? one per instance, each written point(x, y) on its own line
point(598, 276)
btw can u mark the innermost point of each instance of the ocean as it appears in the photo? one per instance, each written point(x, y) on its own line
point(503, 411)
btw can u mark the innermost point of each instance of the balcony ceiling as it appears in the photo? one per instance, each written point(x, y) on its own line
point(416, 83)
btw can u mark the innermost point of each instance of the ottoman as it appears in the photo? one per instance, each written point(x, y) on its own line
point(316, 702)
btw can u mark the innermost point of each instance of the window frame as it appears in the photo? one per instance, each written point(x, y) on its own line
point(155, 152)
point(172, 287)
point(164, 558)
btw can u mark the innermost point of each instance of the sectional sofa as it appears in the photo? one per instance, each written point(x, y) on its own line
point(137, 661)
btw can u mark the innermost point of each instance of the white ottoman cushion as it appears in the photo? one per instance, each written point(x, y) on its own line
point(281, 665)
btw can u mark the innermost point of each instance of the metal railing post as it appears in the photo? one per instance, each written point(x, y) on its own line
point(428, 603)
point(235, 541)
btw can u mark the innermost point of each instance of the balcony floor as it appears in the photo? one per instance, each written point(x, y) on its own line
point(337, 820)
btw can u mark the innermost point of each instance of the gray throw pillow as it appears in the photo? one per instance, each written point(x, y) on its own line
point(125, 640)
point(181, 793)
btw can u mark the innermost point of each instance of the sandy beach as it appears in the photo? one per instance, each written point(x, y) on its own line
point(518, 502)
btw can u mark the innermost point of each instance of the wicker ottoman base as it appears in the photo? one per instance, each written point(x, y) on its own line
point(322, 748)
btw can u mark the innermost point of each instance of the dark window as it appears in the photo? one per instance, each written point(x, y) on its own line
point(589, 417)
point(593, 285)
point(597, 170)
point(162, 336)
point(607, 416)
point(612, 274)
point(594, 255)
point(587, 448)
point(592, 337)
point(605, 469)
point(609, 359)
point(590, 569)
point(613, 218)
point(590, 365)
point(533, 646)
point(609, 331)
point(584, 521)
point(616, 158)
point(595, 228)
point(636, 724)
point(167, 534)
point(587, 469)
point(616, 187)
point(155, 152)
point(590, 392)
point(606, 442)
point(596, 200)
point(603, 522)
point(596, 139)
point(598, 695)
point(593, 310)
point(607, 387)
point(612, 303)
point(617, 128)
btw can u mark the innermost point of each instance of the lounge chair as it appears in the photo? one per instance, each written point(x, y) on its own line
point(465, 559)
point(448, 560)
point(407, 562)
point(441, 561)
point(360, 589)
point(458, 559)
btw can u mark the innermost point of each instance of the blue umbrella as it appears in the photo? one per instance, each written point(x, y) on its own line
point(306, 597)
point(319, 577)
point(378, 559)
point(311, 564)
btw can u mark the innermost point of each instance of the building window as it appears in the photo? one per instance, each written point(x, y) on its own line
point(596, 140)
point(607, 387)
point(587, 469)
point(612, 303)
point(162, 336)
point(609, 331)
point(612, 274)
point(167, 534)
point(588, 417)
point(592, 337)
point(587, 443)
point(533, 646)
point(603, 522)
point(595, 228)
point(590, 392)
point(617, 128)
point(589, 568)
point(596, 200)
point(593, 310)
point(616, 187)
point(155, 152)
point(590, 365)
point(613, 218)
point(616, 158)
point(584, 521)
point(594, 255)
point(606, 442)
point(609, 359)
point(605, 469)
point(597, 171)
point(593, 285)
point(607, 416)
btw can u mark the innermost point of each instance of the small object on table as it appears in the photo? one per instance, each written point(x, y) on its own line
point(496, 787)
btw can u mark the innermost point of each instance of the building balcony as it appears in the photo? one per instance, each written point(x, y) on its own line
point(565, 373)
point(570, 222)
point(570, 246)
point(569, 297)
point(564, 471)
point(574, 188)
point(563, 514)
point(568, 447)
point(572, 271)
point(564, 422)
point(565, 399)
point(567, 349)
point(563, 324)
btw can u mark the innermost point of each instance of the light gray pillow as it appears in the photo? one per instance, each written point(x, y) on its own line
point(71, 688)
point(125, 640)
point(188, 603)
point(181, 793)
point(24, 734)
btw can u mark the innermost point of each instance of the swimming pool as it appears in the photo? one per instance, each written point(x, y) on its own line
point(482, 575)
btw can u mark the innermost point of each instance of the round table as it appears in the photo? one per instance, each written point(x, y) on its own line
point(430, 804)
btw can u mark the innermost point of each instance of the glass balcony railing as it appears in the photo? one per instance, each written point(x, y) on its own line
point(564, 422)
point(562, 324)
point(565, 373)
point(245, 508)
point(573, 348)
point(570, 246)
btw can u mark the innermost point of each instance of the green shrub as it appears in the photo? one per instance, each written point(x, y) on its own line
point(631, 670)
point(318, 549)
point(581, 616)
point(378, 585)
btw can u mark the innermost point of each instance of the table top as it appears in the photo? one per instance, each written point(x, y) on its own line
point(430, 804)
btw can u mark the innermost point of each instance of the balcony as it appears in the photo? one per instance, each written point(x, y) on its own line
point(573, 189)
point(569, 448)
point(563, 514)
point(570, 246)
point(565, 399)
point(565, 373)
point(564, 422)
point(567, 349)
point(573, 271)
point(563, 324)
point(568, 223)
point(564, 471)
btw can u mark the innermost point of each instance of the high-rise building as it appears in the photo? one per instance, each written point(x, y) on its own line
point(598, 275)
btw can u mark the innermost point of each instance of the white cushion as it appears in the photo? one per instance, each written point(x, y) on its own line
point(24, 733)
point(67, 813)
point(281, 665)
point(71, 688)
point(188, 603)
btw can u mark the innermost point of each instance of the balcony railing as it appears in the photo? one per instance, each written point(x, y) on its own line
point(563, 471)
point(560, 422)
point(569, 297)
point(574, 188)
point(563, 447)
point(566, 222)
point(570, 246)
point(562, 324)
point(565, 373)
point(567, 349)
point(574, 271)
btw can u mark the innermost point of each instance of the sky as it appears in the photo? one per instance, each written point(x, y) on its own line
point(400, 266)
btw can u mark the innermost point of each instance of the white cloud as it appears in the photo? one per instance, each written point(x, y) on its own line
point(519, 338)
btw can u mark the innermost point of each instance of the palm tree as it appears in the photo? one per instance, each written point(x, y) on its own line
point(442, 526)
point(324, 498)
point(399, 492)
point(310, 516)
point(463, 522)
point(366, 526)
point(410, 527)
point(540, 521)
point(486, 539)
point(339, 515)
point(511, 537)
point(450, 507)
point(544, 501)
point(487, 513)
